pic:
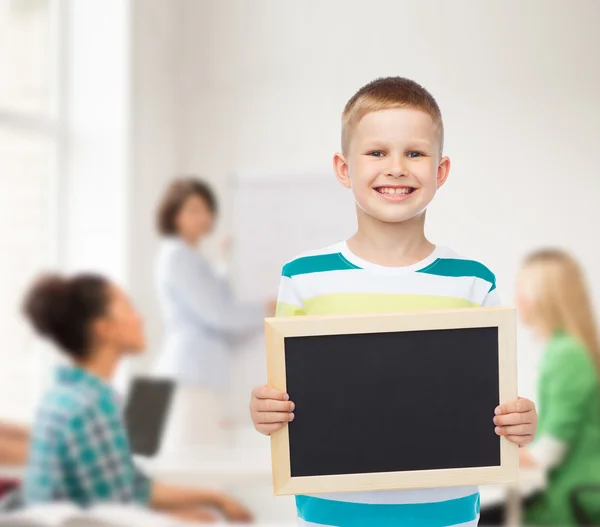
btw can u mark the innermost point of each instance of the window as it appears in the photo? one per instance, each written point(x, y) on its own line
point(30, 149)
point(24, 59)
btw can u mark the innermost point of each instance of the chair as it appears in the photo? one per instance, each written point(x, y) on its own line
point(7, 485)
point(12, 501)
point(582, 515)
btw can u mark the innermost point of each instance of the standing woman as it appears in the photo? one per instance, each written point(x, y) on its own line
point(200, 313)
point(553, 300)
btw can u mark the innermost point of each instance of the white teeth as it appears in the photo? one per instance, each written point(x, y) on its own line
point(394, 191)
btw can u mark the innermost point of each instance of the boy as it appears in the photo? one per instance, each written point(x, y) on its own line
point(392, 139)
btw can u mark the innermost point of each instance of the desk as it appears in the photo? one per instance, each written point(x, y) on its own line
point(246, 473)
point(212, 464)
point(251, 468)
point(530, 481)
point(243, 472)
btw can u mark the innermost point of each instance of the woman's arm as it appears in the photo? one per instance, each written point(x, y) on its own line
point(14, 431)
point(14, 444)
point(165, 496)
point(13, 452)
point(168, 497)
point(568, 383)
point(202, 293)
point(547, 453)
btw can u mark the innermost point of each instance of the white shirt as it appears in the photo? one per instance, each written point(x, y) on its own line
point(200, 315)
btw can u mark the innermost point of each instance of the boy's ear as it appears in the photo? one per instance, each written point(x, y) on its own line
point(341, 169)
point(443, 171)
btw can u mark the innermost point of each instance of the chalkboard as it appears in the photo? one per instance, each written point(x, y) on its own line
point(393, 399)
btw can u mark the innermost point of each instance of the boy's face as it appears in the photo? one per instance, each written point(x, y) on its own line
point(393, 164)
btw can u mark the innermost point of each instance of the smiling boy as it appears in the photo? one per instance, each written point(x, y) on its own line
point(392, 160)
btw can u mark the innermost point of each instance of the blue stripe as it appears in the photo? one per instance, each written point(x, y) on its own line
point(459, 268)
point(344, 514)
point(317, 264)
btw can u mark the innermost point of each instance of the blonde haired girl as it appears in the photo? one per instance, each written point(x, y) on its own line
point(552, 299)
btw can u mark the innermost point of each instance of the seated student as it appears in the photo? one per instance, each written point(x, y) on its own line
point(79, 449)
point(553, 299)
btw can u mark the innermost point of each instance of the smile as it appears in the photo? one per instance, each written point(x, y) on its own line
point(395, 193)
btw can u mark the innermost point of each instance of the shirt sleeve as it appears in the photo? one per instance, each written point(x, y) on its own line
point(289, 303)
point(569, 382)
point(548, 452)
point(204, 294)
point(99, 460)
point(492, 299)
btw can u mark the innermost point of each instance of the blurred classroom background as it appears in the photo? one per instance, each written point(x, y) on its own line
point(103, 103)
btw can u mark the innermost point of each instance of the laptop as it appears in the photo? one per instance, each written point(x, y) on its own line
point(146, 413)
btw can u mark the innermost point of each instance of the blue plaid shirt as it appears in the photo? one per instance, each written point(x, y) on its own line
point(79, 448)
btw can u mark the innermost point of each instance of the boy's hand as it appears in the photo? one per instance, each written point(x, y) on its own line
point(517, 421)
point(270, 409)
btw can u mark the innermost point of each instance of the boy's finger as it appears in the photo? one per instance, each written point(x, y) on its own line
point(274, 417)
point(517, 430)
point(271, 405)
point(265, 392)
point(517, 406)
point(514, 419)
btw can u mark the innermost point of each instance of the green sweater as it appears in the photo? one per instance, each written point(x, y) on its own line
point(569, 410)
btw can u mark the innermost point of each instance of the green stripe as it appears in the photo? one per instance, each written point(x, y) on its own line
point(459, 268)
point(317, 264)
point(355, 303)
point(349, 514)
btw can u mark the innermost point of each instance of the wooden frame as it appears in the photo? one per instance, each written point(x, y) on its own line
point(277, 329)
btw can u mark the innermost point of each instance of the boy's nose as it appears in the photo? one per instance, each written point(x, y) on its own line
point(396, 172)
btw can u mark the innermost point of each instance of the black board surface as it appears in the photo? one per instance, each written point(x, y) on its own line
point(398, 401)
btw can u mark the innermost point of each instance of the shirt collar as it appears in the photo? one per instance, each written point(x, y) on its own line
point(69, 374)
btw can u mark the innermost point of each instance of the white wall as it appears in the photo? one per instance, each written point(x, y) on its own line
point(120, 97)
point(263, 84)
point(95, 198)
point(155, 78)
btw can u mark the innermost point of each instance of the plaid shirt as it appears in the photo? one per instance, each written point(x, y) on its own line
point(79, 448)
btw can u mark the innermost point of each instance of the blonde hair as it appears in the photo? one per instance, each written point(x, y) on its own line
point(384, 94)
point(557, 288)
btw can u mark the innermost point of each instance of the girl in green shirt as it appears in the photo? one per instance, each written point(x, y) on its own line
point(552, 299)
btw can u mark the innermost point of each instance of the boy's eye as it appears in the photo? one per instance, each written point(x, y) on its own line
point(415, 154)
point(376, 153)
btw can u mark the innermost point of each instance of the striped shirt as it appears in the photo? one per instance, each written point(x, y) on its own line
point(335, 281)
